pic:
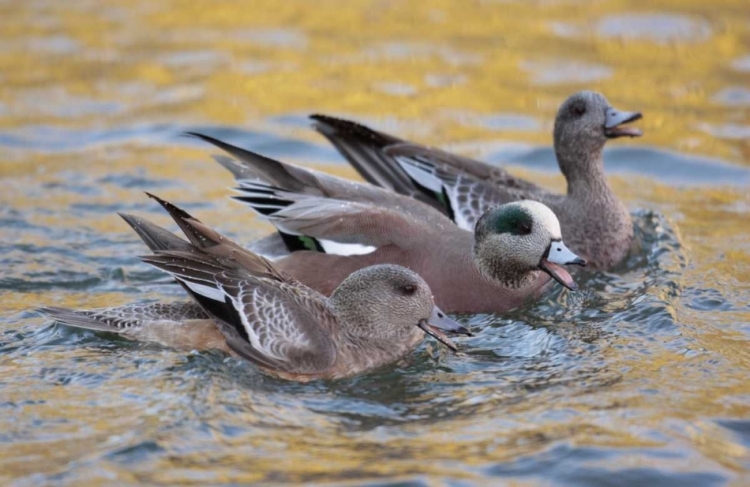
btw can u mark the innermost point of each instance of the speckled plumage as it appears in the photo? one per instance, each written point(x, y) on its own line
point(247, 306)
point(595, 223)
point(386, 227)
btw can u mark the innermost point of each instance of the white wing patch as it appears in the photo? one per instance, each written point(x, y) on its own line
point(465, 214)
point(330, 246)
point(338, 248)
point(210, 292)
point(420, 173)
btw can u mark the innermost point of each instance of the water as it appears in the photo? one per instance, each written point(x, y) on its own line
point(641, 377)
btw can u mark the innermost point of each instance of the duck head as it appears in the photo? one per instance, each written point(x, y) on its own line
point(393, 305)
point(515, 239)
point(584, 123)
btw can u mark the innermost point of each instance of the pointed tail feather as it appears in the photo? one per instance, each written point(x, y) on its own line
point(253, 166)
point(364, 148)
point(154, 236)
point(283, 186)
point(190, 226)
point(238, 170)
point(328, 125)
point(207, 240)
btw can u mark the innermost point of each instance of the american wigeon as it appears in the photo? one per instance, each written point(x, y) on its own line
point(335, 226)
point(245, 305)
point(595, 223)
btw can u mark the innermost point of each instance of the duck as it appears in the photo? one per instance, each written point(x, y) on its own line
point(333, 227)
point(595, 223)
point(244, 305)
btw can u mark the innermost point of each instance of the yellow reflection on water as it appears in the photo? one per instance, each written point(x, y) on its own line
point(231, 63)
point(442, 73)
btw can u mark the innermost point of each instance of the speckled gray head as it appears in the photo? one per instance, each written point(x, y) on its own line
point(584, 123)
point(588, 113)
point(388, 302)
point(519, 237)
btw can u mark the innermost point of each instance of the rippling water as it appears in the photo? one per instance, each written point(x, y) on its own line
point(641, 377)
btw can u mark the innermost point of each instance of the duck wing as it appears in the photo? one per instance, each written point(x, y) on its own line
point(282, 326)
point(337, 226)
point(249, 168)
point(385, 160)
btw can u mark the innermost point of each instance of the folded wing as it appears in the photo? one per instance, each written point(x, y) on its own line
point(335, 226)
point(278, 325)
point(254, 171)
point(386, 160)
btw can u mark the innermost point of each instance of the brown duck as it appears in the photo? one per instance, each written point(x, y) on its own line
point(595, 223)
point(244, 305)
point(334, 227)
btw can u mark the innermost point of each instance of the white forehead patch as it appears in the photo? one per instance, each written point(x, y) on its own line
point(544, 216)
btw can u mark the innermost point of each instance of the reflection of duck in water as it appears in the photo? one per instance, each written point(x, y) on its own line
point(247, 306)
point(595, 224)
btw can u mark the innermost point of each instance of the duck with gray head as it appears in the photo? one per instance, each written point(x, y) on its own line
point(247, 307)
point(595, 223)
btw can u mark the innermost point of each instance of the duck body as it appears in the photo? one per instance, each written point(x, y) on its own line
point(595, 223)
point(246, 306)
point(334, 227)
point(458, 285)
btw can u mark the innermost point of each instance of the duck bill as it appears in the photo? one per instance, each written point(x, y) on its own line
point(615, 119)
point(437, 323)
point(558, 274)
point(557, 256)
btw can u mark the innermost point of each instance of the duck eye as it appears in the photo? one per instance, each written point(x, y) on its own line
point(578, 109)
point(524, 228)
point(408, 289)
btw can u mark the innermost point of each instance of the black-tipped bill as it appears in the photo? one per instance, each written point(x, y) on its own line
point(558, 255)
point(437, 323)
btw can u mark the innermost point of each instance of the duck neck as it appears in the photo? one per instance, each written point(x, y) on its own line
point(584, 171)
point(364, 347)
point(348, 315)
